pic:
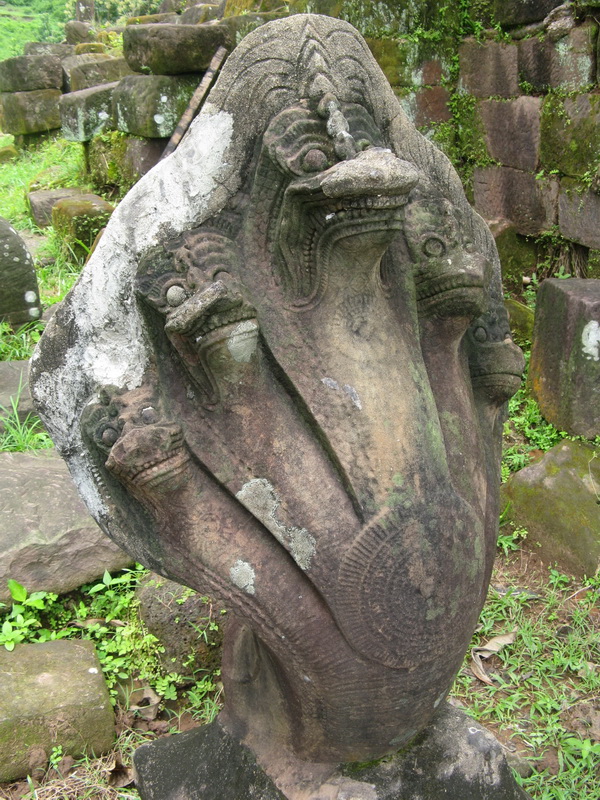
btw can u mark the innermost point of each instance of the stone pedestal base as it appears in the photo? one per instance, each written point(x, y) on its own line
point(453, 759)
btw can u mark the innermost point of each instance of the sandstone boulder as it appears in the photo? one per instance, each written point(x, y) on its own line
point(172, 49)
point(19, 294)
point(556, 501)
point(23, 113)
point(87, 112)
point(152, 105)
point(48, 541)
point(53, 695)
point(27, 73)
point(564, 371)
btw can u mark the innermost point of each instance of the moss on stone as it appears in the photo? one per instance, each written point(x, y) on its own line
point(570, 134)
point(89, 47)
point(593, 264)
point(106, 158)
point(77, 221)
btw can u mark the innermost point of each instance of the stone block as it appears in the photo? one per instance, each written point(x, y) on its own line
point(22, 113)
point(512, 131)
point(116, 159)
point(141, 155)
point(61, 50)
point(180, 620)
point(489, 69)
point(152, 105)
point(87, 112)
point(565, 64)
point(203, 12)
point(454, 757)
point(520, 12)
point(172, 49)
point(28, 73)
point(8, 153)
point(521, 319)
point(503, 192)
point(42, 201)
point(564, 371)
point(48, 540)
point(556, 500)
point(432, 106)
point(78, 220)
point(77, 32)
point(96, 73)
point(72, 62)
point(89, 47)
point(19, 294)
point(579, 214)
point(518, 254)
point(570, 133)
point(53, 695)
point(241, 25)
point(14, 387)
point(153, 19)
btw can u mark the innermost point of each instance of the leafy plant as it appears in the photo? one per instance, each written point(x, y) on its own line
point(20, 435)
point(16, 344)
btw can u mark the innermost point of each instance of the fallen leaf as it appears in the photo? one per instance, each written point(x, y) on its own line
point(120, 775)
point(494, 645)
point(478, 669)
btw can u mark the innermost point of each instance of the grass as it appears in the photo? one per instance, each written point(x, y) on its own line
point(542, 699)
point(54, 163)
point(39, 20)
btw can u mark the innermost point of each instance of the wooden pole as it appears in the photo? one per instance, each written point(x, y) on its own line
point(196, 101)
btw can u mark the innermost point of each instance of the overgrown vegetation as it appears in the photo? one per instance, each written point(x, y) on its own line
point(24, 21)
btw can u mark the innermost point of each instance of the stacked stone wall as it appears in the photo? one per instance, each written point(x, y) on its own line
point(509, 89)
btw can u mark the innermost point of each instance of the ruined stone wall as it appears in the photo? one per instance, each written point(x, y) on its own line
point(508, 88)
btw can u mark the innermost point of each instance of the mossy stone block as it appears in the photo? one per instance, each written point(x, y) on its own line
point(518, 254)
point(243, 24)
point(28, 73)
point(62, 50)
point(570, 134)
point(96, 73)
point(72, 62)
point(564, 370)
point(152, 105)
point(86, 113)
point(30, 112)
point(521, 319)
point(77, 221)
point(152, 19)
point(8, 153)
point(53, 695)
point(235, 7)
point(77, 32)
point(398, 59)
point(556, 500)
point(89, 47)
point(116, 159)
point(202, 12)
point(173, 49)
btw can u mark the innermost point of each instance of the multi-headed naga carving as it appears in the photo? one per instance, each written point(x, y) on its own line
point(292, 396)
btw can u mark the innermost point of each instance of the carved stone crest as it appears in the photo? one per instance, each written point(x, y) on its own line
point(281, 379)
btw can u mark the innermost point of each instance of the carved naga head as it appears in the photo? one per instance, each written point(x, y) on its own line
point(288, 391)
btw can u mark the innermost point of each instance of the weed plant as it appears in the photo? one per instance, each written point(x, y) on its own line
point(16, 344)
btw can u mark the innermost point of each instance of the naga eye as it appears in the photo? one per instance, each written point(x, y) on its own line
point(363, 144)
point(108, 435)
point(149, 415)
point(434, 246)
point(314, 161)
point(176, 295)
point(469, 247)
point(480, 334)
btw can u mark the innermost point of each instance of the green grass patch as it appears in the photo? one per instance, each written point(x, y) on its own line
point(544, 685)
point(38, 21)
point(54, 163)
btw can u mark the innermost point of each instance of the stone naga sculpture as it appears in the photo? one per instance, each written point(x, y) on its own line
point(281, 379)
